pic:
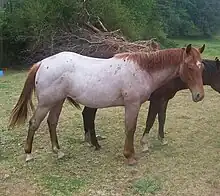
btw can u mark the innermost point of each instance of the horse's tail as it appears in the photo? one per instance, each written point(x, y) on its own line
point(20, 111)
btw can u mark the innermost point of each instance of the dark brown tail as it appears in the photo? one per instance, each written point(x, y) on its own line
point(20, 111)
point(72, 102)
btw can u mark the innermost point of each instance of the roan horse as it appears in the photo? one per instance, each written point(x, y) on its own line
point(126, 79)
point(158, 104)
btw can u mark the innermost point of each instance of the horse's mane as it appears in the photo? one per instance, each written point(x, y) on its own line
point(153, 61)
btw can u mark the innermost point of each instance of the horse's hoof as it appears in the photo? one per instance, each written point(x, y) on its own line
point(55, 150)
point(132, 161)
point(88, 144)
point(60, 155)
point(100, 137)
point(97, 147)
point(145, 148)
point(164, 142)
point(29, 157)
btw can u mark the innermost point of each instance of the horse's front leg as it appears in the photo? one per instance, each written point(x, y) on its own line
point(52, 122)
point(131, 115)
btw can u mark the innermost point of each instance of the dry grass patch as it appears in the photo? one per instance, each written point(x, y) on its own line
point(189, 165)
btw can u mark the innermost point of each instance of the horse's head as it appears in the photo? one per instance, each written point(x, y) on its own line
point(191, 71)
point(215, 78)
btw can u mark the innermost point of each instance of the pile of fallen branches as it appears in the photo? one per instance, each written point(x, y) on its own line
point(90, 42)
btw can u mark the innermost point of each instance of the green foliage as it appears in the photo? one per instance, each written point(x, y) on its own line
point(146, 185)
point(2, 17)
point(205, 15)
point(145, 17)
point(176, 20)
point(115, 16)
point(60, 185)
point(42, 16)
point(26, 24)
point(189, 17)
point(29, 22)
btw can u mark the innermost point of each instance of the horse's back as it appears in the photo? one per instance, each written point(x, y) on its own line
point(93, 82)
point(55, 66)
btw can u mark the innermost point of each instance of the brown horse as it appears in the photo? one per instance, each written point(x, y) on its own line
point(128, 79)
point(158, 103)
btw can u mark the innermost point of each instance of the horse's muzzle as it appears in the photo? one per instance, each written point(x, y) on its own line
point(197, 96)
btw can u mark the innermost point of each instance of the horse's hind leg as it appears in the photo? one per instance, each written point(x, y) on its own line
point(34, 123)
point(88, 120)
point(152, 113)
point(52, 122)
point(161, 119)
point(89, 126)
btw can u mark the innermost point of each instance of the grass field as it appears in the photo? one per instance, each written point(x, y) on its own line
point(188, 166)
point(212, 45)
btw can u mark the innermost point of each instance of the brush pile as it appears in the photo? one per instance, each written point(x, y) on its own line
point(90, 42)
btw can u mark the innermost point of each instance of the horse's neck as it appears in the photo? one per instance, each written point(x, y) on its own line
point(179, 84)
point(208, 72)
point(206, 78)
point(170, 65)
point(161, 77)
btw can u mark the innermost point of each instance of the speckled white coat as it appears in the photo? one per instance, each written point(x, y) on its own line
point(95, 82)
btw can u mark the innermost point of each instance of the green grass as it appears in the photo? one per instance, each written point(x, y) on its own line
point(62, 185)
point(189, 165)
point(146, 185)
point(212, 49)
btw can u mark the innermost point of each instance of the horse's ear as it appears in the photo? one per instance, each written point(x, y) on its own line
point(188, 48)
point(217, 63)
point(202, 49)
point(184, 48)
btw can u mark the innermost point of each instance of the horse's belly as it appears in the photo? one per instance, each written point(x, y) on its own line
point(97, 99)
point(100, 102)
point(94, 93)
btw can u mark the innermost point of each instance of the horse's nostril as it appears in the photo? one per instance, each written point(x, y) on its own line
point(197, 96)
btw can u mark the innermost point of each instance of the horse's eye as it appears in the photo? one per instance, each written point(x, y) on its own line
point(191, 66)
